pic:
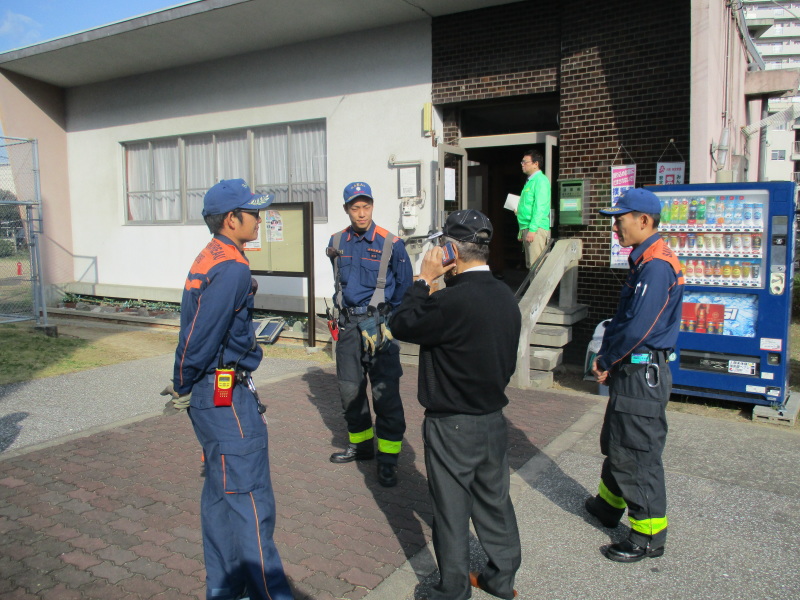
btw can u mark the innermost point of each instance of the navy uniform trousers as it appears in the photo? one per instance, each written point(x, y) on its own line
point(632, 439)
point(466, 458)
point(353, 365)
point(237, 506)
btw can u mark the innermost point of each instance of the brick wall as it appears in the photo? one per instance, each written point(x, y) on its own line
point(623, 73)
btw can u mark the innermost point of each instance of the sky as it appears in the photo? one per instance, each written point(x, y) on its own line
point(27, 22)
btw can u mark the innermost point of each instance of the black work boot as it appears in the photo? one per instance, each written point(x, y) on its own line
point(362, 451)
point(598, 509)
point(387, 474)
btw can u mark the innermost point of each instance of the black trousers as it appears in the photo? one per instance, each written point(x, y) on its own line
point(353, 367)
point(468, 477)
point(632, 439)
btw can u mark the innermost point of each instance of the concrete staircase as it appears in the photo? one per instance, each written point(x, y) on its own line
point(547, 327)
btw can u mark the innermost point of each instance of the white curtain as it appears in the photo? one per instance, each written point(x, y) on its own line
point(166, 181)
point(199, 152)
point(271, 162)
point(137, 166)
point(232, 156)
point(308, 171)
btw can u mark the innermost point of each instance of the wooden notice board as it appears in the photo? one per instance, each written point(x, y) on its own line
point(285, 248)
point(282, 241)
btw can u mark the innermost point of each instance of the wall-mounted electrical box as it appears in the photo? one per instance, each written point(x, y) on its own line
point(573, 195)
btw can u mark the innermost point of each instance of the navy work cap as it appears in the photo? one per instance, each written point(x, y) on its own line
point(355, 190)
point(635, 200)
point(465, 225)
point(230, 194)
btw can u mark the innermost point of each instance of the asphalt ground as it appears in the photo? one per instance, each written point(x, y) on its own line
point(100, 487)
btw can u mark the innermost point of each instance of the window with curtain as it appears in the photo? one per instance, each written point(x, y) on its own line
point(166, 179)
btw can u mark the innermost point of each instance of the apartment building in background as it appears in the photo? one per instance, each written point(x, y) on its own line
point(775, 27)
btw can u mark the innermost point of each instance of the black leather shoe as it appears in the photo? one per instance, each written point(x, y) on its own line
point(611, 523)
point(387, 474)
point(627, 551)
point(353, 452)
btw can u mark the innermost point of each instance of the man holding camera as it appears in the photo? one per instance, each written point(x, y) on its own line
point(468, 334)
point(372, 271)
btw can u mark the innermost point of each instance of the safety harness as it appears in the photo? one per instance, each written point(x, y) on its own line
point(379, 295)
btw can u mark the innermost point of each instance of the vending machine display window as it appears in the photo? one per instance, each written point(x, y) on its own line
point(720, 314)
point(719, 239)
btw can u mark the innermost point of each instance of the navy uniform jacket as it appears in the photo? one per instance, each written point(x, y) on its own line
point(217, 297)
point(359, 264)
point(649, 312)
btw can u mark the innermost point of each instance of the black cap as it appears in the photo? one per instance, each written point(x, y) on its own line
point(465, 225)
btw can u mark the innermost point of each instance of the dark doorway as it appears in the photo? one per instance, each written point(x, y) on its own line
point(494, 173)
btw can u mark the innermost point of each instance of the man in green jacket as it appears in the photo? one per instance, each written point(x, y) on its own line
point(533, 210)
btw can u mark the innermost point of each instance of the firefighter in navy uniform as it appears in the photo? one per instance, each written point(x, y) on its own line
point(237, 506)
point(634, 362)
point(372, 272)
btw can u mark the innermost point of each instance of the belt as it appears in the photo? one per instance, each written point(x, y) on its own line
point(356, 310)
point(645, 358)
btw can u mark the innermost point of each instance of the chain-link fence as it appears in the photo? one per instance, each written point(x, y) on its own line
point(21, 293)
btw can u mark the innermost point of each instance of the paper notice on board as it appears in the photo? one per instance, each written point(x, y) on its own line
point(511, 202)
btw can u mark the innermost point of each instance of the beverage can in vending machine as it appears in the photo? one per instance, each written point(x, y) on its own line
point(755, 271)
point(736, 242)
point(718, 241)
point(747, 242)
point(728, 241)
point(691, 241)
point(756, 242)
point(746, 270)
point(674, 241)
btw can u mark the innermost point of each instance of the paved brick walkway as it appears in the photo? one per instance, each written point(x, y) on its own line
point(115, 515)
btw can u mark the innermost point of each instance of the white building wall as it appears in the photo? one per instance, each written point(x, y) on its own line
point(370, 88)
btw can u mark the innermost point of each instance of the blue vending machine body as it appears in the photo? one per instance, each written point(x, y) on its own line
point(736, 242)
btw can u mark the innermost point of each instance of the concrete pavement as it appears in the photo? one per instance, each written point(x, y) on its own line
point(113, 510)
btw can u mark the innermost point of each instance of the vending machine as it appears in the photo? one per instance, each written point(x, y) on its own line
point(736, 244)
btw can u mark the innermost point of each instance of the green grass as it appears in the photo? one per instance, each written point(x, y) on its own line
point(26, 354)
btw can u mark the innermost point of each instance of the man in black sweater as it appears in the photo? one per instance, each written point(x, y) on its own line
point(468, 334)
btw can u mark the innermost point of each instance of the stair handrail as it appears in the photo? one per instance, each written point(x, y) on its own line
point(562, 260)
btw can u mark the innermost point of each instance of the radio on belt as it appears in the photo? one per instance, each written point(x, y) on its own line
point(224, 380)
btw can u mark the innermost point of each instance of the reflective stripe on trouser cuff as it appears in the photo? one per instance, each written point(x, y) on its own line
point(649, 526)
point(361, 436)
point(389, 447)
point(612, 499)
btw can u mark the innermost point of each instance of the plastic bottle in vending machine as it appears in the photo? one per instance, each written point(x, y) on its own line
point(738, 211)
point(691, 214)
point(717, 270)
point(747, 214)
point(675, 212)
point(726, 270)
point(711, 211)
point(721, 210)
point(665, 211)
point(729, 208)
point(701, 211)
point(684, 212)
point(689, 270)
point(736, 270)
point(708, 271)
point(758, 214)
point(699, 269)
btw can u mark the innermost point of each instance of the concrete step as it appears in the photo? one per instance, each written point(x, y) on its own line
point(541, 380)
point(786, 415)
point(563, 315)
point(545, 359)
point(552, 336)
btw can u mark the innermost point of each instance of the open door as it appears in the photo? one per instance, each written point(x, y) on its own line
point(451, 184)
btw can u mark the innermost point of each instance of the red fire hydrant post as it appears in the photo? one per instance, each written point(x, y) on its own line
point(19, 268)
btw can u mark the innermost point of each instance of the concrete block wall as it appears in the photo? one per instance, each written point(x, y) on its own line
point(623, 73)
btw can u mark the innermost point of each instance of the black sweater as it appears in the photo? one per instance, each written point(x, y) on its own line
point(468, 335)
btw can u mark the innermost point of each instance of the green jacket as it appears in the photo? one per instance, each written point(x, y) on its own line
point(533, 210)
